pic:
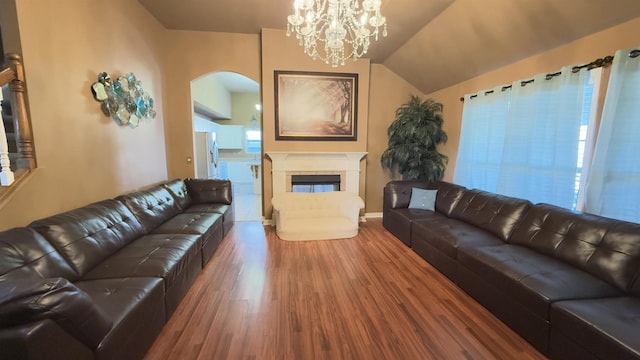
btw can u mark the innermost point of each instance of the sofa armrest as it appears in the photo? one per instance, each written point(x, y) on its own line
point(41, 339)
point(27, 300)
point(397, 194)
point(210, 191)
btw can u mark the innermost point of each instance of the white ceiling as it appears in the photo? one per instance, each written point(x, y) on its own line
point(431, 43)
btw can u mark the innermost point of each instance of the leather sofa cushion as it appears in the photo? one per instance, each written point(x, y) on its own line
point(447, 234)
point(205, 225)
point(24, 253)
point(151, 207)
point(607, 328)
point(209, 207)
point(137, 308)
point(189, 223)
point(606, 248)
point(533, 279)
point(27, 300)
point(495, 213)
point(178, 189)
point(223, 209)
point(88, 235)
point(152, 255)
point(398, 221)
point(210, 191)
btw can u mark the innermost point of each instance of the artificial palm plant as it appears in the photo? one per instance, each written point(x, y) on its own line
point(413, 139)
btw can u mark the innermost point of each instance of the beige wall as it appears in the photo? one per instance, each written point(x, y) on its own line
point(208, 92)
point(387, 92)
point(82, 155)
point(243, 108)
point(280, 52)
point(193, 54)
point(581, 51)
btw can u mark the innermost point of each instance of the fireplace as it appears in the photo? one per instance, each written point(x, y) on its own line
point(315, 183)
point(286, 165)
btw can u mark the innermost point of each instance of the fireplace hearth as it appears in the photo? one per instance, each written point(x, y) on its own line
point(286, 165)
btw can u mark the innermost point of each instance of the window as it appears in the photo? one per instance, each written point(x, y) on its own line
point(530, 141)
point(613, 187)
point(254, 142)
point(586, 138)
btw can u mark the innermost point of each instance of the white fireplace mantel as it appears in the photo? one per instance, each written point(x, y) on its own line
point(344, 163)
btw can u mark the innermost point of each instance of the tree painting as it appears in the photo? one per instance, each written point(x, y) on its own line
point(315, 106)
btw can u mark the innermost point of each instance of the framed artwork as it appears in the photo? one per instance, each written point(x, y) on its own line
point(316, 106)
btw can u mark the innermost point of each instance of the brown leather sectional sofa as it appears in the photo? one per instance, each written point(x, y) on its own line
point(100, 281)
point(567, 282)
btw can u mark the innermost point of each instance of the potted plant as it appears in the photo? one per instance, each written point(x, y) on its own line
point(413, 139)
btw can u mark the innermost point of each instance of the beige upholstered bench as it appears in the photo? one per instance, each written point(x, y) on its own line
point(316, 216)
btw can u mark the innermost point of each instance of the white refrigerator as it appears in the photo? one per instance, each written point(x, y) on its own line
point(206, 155)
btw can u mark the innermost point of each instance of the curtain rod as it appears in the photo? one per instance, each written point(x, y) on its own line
point(601, 62)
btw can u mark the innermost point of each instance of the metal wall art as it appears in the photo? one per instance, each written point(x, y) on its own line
point(123, 100)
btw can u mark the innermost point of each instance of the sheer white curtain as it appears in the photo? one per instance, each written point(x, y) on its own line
point(481, 139)
point(540, 153)
point(613, 187)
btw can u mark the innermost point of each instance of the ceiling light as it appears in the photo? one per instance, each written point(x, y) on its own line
point(344, 27)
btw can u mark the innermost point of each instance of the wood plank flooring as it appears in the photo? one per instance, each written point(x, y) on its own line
point(369, 297)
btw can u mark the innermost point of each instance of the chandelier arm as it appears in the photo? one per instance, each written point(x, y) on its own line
point(343, 27)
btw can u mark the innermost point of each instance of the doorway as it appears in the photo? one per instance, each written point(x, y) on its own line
point(227, 109)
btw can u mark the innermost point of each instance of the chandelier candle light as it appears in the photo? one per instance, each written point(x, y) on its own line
point(344, 26)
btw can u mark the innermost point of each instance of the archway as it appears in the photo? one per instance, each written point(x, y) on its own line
point(228, 137)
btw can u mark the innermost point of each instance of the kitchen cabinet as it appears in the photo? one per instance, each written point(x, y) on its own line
point(230, 137)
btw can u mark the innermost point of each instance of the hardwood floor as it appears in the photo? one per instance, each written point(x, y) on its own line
point(369, 297)
point(248, 204)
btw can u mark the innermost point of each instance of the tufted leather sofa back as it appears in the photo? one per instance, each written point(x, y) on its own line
point(151, 207)
point(448, 195)
point(210, 191)
point(24, 253)
point(87, 235)
point(178, 189)
point(397, 194)
point(497, 214)
point(606, 248)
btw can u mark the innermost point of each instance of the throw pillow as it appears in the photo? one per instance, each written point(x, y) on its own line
point(423, 199)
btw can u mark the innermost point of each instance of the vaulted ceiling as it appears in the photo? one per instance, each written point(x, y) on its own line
point(431, 43)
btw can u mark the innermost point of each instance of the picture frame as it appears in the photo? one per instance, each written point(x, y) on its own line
point(316, 106)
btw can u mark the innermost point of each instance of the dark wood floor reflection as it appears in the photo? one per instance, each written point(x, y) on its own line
point(369, 297)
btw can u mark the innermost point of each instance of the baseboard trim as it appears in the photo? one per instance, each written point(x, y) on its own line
point(375, 215)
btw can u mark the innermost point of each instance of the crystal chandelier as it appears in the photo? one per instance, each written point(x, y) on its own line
point(344, 26)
